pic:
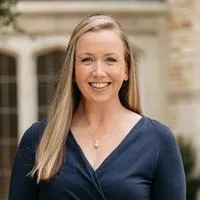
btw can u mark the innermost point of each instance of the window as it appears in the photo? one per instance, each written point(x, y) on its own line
point(8, 120)
point(48, 67)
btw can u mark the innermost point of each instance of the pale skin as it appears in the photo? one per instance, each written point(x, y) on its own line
point(100, 70)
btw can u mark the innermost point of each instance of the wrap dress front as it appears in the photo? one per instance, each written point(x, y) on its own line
point(146, 165)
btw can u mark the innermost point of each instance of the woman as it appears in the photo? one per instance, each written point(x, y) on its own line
point(95, 143)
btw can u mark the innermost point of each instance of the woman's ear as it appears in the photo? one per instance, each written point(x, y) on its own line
point(126, 74)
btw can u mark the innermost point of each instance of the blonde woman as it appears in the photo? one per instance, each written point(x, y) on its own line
point(95, 144)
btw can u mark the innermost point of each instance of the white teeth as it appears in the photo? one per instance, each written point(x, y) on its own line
point(99, 85)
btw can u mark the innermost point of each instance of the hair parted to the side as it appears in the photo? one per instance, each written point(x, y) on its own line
point(51, 149)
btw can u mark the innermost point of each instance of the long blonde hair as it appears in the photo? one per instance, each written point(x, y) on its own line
point(51, 149)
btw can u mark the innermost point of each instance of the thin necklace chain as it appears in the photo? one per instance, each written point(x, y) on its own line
point(97, 141)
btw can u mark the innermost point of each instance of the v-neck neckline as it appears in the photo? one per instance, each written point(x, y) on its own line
point(112, 154)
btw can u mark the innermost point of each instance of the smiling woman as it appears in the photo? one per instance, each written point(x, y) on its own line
point(95, 143)
point(100, 69)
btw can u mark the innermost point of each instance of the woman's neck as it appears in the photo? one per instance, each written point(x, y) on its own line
point(97, 114)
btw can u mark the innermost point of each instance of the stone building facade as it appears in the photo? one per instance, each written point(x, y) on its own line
point(183, 70)
point(165, 36)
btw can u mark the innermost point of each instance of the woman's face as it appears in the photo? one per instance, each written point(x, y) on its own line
point(100, 67)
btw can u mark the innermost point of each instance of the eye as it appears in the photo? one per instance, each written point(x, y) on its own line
point(86, 60)
point(111, 60)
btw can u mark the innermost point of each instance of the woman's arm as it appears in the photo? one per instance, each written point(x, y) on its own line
point(22, 186)
point(169, 182)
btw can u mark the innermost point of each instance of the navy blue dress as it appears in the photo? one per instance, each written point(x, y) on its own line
point(146, 165)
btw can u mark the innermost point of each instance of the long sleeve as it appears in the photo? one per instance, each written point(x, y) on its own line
point(169, 182)
point(22, 186)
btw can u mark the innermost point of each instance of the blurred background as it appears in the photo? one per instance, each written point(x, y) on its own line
point(165, 37)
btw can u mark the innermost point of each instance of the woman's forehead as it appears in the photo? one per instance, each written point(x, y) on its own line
point(103, 40)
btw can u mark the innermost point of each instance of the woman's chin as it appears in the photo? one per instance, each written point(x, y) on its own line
point(101, 99)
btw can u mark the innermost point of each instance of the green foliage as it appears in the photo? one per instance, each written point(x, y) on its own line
point(189, 162)
point(8, 14)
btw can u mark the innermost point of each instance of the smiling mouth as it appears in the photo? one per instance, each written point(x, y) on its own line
point(99, 85)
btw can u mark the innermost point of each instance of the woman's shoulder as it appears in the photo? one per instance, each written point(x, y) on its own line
point(33, 134)
point(159, 131)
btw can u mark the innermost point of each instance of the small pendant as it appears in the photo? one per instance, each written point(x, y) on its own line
point(96, 144)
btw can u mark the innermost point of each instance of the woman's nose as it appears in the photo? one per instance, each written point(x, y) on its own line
point(98, 69)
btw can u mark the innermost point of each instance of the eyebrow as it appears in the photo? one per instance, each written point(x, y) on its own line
point(90, 54)
point(112, 54)
point(83, 54)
